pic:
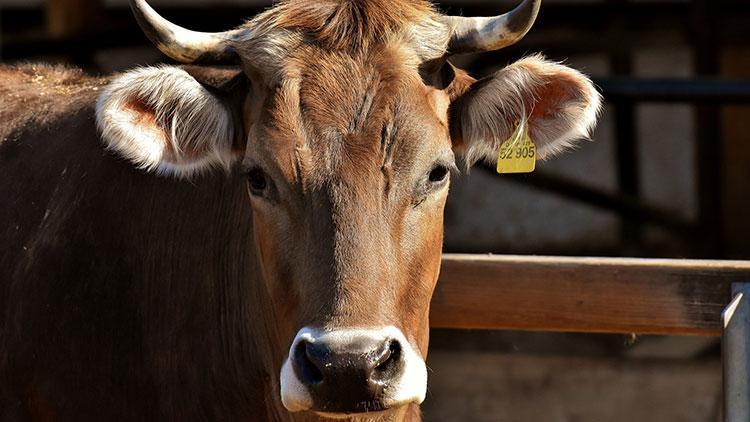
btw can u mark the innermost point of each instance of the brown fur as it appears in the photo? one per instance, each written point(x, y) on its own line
point(102, 319)
point(32, 92)
point(333, 161)
point(132, 332)
point(349, 25)
point(125, 296)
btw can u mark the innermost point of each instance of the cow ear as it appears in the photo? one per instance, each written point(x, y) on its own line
point(559, 105)
point(164, 120)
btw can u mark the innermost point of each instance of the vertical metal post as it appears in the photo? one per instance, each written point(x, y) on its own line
point(627, 160)
point(709, 141)
point(736, 355)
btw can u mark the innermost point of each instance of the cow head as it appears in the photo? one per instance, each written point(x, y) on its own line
point(347, 119)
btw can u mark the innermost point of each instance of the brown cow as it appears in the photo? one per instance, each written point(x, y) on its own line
point(293, 286)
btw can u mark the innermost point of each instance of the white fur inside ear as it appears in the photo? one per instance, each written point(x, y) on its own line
point(490, 113)
point(575, 118)
point(163, 120)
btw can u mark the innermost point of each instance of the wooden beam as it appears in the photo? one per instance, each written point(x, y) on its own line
point(607, 295)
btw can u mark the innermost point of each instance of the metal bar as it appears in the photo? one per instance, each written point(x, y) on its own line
point(736, 355)
point(626, 151)
point(675, 90)
point(709, 142)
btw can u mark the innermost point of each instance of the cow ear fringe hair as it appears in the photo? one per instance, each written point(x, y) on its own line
point(490, 111)
point(164, 121)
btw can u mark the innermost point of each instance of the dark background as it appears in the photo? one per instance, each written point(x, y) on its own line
point(667, 176)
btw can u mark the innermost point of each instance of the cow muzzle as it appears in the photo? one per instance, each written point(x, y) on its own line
point(341, 372)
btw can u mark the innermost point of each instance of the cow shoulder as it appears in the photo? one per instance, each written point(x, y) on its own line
point(38, 94)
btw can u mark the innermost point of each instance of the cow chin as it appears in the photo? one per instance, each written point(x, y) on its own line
point(337, 373)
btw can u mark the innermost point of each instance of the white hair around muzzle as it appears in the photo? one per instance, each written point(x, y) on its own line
point(409, 387)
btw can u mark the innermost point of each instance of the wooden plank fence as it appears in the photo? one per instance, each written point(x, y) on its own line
point(608, 295)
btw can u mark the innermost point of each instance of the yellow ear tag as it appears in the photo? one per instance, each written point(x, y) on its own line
point(518, 153)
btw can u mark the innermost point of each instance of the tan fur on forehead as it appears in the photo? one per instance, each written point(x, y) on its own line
point(380, 101)
point(337, 116)
point(360, 88)
point(351, 26)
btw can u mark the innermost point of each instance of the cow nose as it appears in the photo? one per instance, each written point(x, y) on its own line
point(349, 376)
point(351, 370)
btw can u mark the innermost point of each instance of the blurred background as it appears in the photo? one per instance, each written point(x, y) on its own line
point(667, 175)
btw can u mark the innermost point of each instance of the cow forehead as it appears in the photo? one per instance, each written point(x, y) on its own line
point(336, 115)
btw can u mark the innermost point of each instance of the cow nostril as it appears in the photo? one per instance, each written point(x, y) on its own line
point(391, 355)
point(306, 365)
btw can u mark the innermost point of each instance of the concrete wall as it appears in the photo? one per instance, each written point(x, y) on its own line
point(482, 387)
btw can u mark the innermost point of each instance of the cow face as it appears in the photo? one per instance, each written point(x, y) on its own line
point(346, 126)
point(348, 183)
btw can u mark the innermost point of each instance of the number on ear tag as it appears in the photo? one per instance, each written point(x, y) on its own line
point(518, 153)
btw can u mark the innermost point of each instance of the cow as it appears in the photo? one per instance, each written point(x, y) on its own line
point(255, 233)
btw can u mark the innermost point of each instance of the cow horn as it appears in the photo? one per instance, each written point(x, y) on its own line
point(182, 44)
point(474, 35)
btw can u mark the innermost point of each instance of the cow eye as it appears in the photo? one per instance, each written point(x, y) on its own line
point(257, 180)
point(438, 174)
